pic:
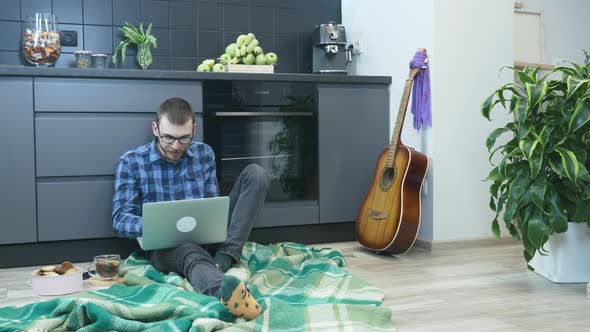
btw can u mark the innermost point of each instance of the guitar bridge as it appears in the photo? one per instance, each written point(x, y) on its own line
point(378, 215)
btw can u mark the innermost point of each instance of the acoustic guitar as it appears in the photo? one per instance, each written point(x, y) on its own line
point(389, 217)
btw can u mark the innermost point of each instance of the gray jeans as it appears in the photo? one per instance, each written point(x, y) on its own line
point(195, 262)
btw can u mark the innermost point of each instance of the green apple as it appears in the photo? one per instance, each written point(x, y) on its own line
point(235, 60)
point(252, 45)
point(203, 67)
point(209, 62)
point(260, 59)
point(249, 38)
point(258, 50)
point(218, 67)
point(231, 50)
point(243, 50)
point(271, 58)
point(240, 41)
point(224, 58)
point(249, 59)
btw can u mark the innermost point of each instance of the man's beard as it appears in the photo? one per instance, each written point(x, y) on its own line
point(169, 155)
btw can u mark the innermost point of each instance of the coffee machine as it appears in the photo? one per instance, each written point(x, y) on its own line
point(330, 52)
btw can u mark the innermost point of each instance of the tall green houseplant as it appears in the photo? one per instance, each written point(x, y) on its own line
point(541, 181)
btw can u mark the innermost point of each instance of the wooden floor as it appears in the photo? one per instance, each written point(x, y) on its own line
point(483, 288)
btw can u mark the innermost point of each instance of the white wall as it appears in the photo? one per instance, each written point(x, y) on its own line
point(468, 41)
point(566, 28)
point(472, 41)
point(390, 32)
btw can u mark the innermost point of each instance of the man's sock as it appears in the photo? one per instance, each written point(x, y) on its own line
point(223, 260)
point(237, 299)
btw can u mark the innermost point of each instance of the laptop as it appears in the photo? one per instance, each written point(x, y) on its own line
point(173, 223)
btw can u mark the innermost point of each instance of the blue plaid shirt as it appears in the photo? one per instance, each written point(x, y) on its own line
point(143, 176)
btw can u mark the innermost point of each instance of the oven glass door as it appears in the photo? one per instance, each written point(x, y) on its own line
point(283, 143)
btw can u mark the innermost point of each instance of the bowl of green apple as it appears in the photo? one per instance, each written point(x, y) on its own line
point(245, 55)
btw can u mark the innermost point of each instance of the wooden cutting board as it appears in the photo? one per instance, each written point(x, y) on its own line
point(240, 68)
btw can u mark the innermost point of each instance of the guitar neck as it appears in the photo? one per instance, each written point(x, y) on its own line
point(401, 115)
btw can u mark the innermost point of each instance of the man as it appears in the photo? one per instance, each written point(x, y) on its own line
point(173, 167)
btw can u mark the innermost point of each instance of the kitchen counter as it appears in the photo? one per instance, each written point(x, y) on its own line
point(186, 75)
point(63, 204)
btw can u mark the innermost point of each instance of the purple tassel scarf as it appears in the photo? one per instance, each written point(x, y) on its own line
point(421, 92)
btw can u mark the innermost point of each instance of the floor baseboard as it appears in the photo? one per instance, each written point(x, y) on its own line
point(44, 253)
point(470, 243)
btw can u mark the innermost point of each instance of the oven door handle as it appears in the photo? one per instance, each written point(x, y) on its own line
point(263, 113)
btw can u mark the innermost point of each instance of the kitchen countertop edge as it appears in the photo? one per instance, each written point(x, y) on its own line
point(186, 75)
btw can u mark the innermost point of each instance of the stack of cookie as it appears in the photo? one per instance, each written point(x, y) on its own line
point(57, 270)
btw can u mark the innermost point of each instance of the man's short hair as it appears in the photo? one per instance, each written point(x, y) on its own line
point(177, 110)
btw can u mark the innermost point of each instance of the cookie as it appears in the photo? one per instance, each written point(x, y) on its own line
point(58, 269)
point(67, 265)
point(48, 268)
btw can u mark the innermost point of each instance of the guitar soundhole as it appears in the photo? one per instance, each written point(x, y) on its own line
point(387, 178)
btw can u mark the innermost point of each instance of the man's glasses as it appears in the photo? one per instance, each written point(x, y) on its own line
point(170, 139)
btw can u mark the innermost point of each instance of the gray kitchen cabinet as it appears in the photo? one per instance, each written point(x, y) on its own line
point(112, 95)
point(17, 169)
point(75, 208)
point(353, 127)
point(64, 129)
point(64, 135)
point(89, 144)
point(73, 202)
point(82, 127)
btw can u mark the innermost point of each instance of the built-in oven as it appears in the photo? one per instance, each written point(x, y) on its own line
point(274, 125)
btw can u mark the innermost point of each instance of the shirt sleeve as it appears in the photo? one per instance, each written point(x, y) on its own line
point(210, 173)
point(127, 221)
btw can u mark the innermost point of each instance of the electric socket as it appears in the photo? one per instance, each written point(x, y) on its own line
point(68, 38)
point(356, 47)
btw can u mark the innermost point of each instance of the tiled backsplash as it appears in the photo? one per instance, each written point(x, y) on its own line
point(188, 31)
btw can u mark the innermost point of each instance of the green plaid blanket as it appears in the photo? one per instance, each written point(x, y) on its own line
point(300, 288)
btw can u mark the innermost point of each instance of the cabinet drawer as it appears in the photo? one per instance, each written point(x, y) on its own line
point(105, 95)
point(246, 93)
point(77, 209)
point(287, 214)
point(89, 144)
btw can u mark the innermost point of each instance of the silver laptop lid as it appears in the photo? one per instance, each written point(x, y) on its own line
point(173, 223)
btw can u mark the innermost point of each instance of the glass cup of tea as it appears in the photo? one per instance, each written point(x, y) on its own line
point(106, 267)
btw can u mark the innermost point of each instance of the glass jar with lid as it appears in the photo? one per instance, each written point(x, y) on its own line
point(83, 59)
point(99, 60)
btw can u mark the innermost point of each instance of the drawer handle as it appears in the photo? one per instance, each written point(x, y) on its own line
point(265, 92)
point(263, 113)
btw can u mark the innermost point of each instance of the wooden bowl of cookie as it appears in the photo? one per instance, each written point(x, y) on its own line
point(64, 278)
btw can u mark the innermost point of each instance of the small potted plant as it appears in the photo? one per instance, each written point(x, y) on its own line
point(143, 39)
point(541, 182)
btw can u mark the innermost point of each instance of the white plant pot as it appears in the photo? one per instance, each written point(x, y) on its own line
point(567, 260)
